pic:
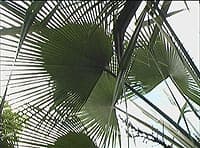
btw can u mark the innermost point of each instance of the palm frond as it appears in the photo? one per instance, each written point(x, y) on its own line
point(35, 86)
point(182, 139)
point(171, 65)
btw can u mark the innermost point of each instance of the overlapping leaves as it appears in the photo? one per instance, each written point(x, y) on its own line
point(60, 66)
point(151, 66)
point(59, 71)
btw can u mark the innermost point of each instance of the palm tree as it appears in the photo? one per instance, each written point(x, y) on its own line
point(70, 64)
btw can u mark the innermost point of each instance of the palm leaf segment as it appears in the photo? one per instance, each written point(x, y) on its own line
point(98, 115)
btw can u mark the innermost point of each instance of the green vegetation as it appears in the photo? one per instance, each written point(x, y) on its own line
point(12, 123)
point(75, 64)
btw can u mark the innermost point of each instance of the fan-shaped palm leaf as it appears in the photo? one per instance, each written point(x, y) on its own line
point(145, 69)
point(75, 57)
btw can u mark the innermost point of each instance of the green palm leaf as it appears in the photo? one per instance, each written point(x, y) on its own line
point(98, 114)
point(146, 72)
point(75, 56)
